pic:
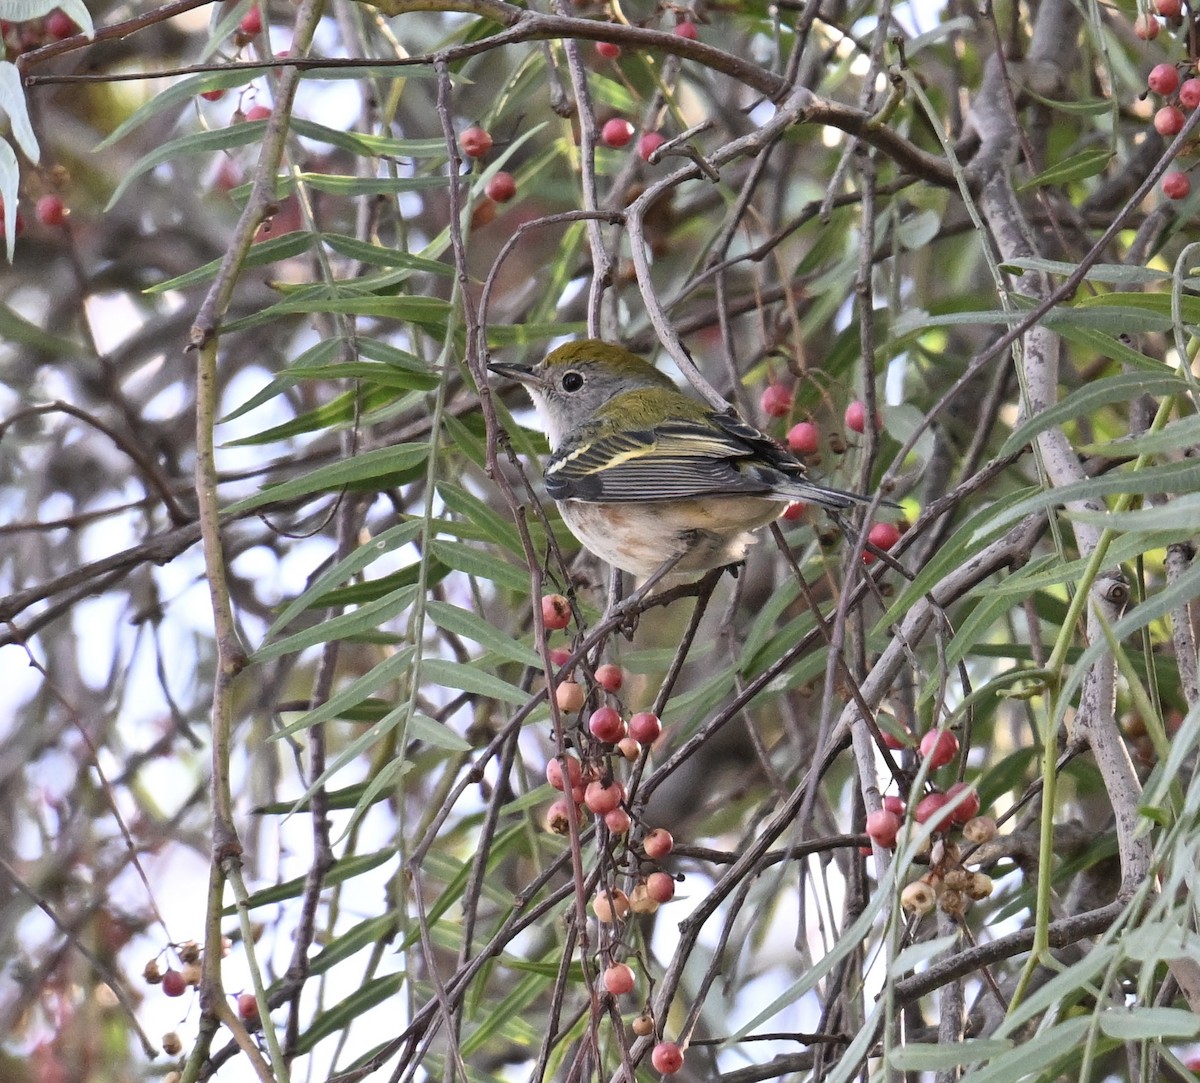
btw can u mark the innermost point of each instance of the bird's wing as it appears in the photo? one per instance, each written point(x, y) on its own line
point(673, 461)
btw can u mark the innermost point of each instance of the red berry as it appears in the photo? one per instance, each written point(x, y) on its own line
point(1189, 93)
point(686, 29)
point(795, 511)
point(502, 187)
point(896, 743)
point(610, 677)
point(777, 401)
point(607, 725)
point(60, 25)
point(1146, 27)
point(660, 886)
point(608, 49)
point(658, 843)
point(619, 979)
point(804, 438)
point(554, 772)
point(894, 803)
point(667, 1058)
point(475, 142)
point(602, 797)
point(967, 808)
point(884, 535)
point(257, 112)
point(252, 21)
point(559, 656)
point(883, 826)
point(173, 983)
point(1176, 185)
point(1169, 9)
point(930, 810)
point(212, 95)
point(51, 211)
point(556, 611)
point(1169, 120)
point(644, 727)
point(649, 143)
point(1163, 79)
point(247, 1006)
point(616, 132)
point(939, 747)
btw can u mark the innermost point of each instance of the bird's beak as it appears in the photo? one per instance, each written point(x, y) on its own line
point(523, 374)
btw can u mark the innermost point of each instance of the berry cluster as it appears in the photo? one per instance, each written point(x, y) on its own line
point(1178, 94)
point(25, 36)
point(588, 780)
point(947, 883)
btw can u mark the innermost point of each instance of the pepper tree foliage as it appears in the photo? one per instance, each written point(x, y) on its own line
point(274, 549)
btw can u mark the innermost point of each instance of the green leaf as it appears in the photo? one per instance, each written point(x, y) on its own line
point(364, 619)
point(365, 934)
point(378, 466)
point(1115, 273)
point(348, 1010)
point(468, 625)
point(918, 1057)
point(923, 952)
point(476, 562)
point(14, 328)
point(1087, 163)
point(261, 253)
point(1177, 435)
point(393, 667)
point(12, 103)
point(1150, 1024)
point(1087, 400)
point(382, 256)
point(466, 678)
point(344, 869)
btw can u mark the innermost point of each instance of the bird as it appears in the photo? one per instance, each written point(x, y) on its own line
point(644, 473)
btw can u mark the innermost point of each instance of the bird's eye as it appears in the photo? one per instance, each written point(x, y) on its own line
point(572, 381)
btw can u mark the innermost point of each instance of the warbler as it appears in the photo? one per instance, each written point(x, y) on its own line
point(643, 473)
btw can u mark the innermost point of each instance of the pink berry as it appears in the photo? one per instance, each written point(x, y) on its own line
point(686, 29)
point(616, 132)
point(554, 772)
point(804, 438)
point(51, 211)
point(667, 1058)
point(257, 112)
point(883, 827)
point(559, 656)
point(619, 979)
point(602, 797)
point(967, 808)
point(1169, 9)
point(502, 187)
point(1176, 185)
point(475, 142)
point(1163, 79)
point(1146, 27)
point(856, 417)
point(658, 843)
point(795, 511)
point(939, 747)
point(252, 21)
point(569, 696)
point(645, 727)
point(607, 725)
point(608, 49)
point(660, 886)
point(884, 535)
point(894, 803)
point(618, 821)
point(1189, 93)
point(629, 749)
point(1169, 120)
point(60, 25)
point(649, 143)
point(930, 810)
point(610, 677)
point(247, 1006)
point(556, 611)
point(558, 817)
point(776, 401)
